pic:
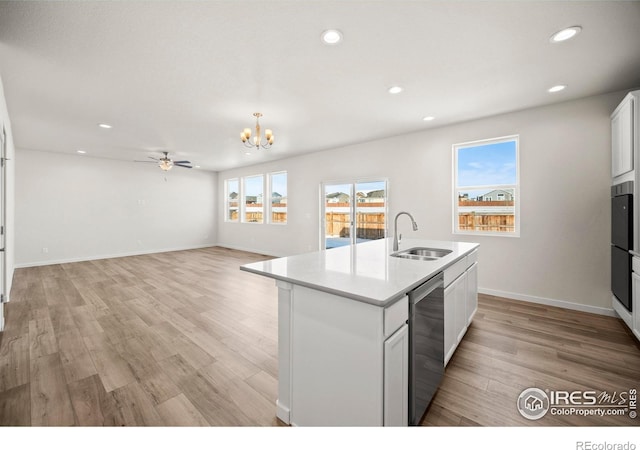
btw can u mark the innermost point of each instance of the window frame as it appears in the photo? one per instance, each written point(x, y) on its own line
point(515, 187)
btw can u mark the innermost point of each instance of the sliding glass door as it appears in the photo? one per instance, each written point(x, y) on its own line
point(353, 212)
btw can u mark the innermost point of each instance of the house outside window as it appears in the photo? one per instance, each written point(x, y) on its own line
point(232, 194)
point(486, 187)
point(278, 189)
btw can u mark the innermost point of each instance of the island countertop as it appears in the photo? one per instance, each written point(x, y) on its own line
point(364, 272)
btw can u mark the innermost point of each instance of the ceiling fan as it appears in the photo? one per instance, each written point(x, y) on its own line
point(166, 163)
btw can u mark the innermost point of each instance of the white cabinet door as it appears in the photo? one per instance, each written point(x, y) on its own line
point(396, 378)
point(472, 292)
point(460, 294)
point(454, 299)
point(622, 138)
point(635, 304)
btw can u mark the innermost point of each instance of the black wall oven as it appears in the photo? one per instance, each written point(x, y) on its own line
point(621, 241)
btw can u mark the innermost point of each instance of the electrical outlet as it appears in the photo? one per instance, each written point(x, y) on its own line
point(45, 250)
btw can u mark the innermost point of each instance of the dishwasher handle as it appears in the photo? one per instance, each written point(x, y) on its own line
point(425, 289)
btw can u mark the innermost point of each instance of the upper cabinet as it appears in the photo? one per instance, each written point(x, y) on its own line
point(622, 136)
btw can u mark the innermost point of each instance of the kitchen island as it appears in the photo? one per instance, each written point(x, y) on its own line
point(343, 343)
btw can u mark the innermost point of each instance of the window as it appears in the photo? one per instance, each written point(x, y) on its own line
point(253, 191)
point(232, 194)
point(486, 187)
point(243, 199)
point(278, 189)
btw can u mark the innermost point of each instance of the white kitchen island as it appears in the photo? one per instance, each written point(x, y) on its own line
point(342, 334)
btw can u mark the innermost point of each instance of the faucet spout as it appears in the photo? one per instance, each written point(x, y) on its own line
point(414, 225)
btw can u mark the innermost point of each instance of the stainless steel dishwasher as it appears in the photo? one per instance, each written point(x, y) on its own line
point(426, 345)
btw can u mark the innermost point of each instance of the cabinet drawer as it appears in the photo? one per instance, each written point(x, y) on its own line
point(454, 271)
point(395, 316)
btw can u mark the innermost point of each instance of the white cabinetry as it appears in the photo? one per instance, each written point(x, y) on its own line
point(460, 301)
point(622, 137)
point(346, 361)
point(625, 155)
point(635, 304)
point(454, 315)
point(396, 378)
point(472, 292)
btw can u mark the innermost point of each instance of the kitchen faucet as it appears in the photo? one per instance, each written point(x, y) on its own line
point(395, 228)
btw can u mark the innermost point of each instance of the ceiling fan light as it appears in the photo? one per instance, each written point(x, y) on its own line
point(166, 165)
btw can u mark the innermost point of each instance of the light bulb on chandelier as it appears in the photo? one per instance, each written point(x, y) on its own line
point(256, 141)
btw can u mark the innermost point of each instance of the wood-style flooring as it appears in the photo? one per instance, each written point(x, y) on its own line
point(187, 339)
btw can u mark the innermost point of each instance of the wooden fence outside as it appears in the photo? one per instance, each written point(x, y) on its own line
point(257, 216)
point(369, 226)
point(488, 203)
point(487, 222)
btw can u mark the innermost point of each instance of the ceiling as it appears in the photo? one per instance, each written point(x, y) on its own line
point(186, 77)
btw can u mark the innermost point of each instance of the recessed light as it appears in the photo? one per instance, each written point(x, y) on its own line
point(428, 118)
point(557, 88)
point(82, 152)
point(395, 90)
point(197, 167)
point(331, 37)
point(104, 125)
point(565, 34)
point(247, 153)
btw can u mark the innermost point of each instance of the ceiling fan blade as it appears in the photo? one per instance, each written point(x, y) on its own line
point(182, 162)
point(182, 165)
point(151, 157)
point(155, 162)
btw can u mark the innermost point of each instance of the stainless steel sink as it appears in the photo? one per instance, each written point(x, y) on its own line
point(422, 253)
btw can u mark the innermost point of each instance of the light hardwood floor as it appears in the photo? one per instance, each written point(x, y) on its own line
point(187, 339)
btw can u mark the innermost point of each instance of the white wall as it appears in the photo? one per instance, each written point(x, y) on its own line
point(82, 208)
point(562, 256)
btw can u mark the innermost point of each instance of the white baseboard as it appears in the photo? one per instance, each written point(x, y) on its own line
point(283, 413)
point(249, 250)
point(115, 255)
point(551, 302)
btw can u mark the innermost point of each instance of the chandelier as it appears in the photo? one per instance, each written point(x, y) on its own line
point(256, 142)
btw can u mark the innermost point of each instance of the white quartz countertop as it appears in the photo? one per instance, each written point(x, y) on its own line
point(365, 272)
